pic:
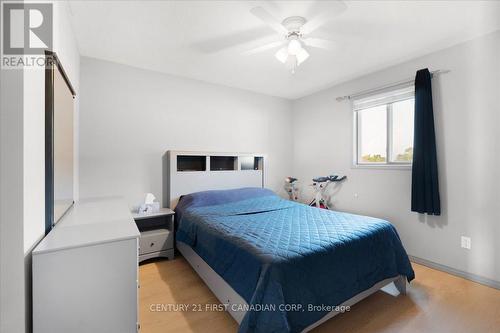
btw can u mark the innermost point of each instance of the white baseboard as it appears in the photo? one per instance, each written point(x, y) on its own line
point(469, 276)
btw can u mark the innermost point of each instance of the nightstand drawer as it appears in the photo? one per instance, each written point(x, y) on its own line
point(155, 240)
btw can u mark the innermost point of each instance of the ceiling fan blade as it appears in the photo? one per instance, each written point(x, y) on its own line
point(264, 47)
point(314, 24)
point(319, 43)
point(327, 14)
point(270, 20)
point(239, 40)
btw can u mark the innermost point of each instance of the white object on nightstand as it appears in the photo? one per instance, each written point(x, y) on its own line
point(149, 206)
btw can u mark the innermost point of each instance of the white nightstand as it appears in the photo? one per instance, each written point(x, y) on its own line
point(157, 234)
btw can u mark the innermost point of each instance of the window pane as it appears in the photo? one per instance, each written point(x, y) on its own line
point(372, 131)
point(402, 131)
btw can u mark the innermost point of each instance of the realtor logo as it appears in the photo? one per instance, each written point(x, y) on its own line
point(27, 28)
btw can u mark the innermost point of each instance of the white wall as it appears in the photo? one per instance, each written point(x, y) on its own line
point(23, 172)
point(467, 119)
point(12, 300)
point(34, 126)
point(130, 117)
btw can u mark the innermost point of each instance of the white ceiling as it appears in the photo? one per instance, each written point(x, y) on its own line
point(178, 37)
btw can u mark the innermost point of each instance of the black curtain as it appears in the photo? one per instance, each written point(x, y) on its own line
point(424, 181)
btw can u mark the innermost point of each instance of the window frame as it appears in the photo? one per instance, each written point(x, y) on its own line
point(388, 164)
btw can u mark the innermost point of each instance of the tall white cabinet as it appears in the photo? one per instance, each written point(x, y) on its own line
point(85, 271)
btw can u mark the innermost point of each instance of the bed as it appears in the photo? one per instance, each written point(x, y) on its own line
point(282, 266)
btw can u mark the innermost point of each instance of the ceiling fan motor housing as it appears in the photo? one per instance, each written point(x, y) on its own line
point(294, 24)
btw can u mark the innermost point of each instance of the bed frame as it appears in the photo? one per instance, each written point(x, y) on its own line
point(177, 183)
point(232, 300)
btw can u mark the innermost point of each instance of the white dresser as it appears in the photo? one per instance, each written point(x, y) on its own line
point(85, 276)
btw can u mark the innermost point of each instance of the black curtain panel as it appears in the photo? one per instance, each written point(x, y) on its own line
point(424, 182)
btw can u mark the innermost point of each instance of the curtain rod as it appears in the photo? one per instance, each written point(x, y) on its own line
point(395, 84)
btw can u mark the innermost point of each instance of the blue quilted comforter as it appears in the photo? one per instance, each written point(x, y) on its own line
point(289, 261)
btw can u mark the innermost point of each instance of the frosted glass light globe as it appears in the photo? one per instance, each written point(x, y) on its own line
point(294, 47)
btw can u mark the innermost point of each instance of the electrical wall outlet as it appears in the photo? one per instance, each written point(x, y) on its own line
point(465, 241)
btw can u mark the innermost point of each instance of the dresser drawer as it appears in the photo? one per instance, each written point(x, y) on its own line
point(155, 240)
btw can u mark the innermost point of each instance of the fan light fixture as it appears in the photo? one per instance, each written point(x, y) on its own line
point(293, 54)
point(295, 35)
point(294, 47)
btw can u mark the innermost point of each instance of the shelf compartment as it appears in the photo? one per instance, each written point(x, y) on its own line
point(251, 162)
point(223, 163)
point(191, 163)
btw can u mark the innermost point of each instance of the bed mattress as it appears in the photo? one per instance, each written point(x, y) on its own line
point(290, 262)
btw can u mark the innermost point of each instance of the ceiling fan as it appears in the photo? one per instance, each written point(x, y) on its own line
point(295, 35)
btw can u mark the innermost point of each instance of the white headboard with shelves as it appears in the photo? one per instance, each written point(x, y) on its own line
point(186, 172)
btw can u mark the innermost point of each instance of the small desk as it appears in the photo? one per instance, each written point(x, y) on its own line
point(157, 234)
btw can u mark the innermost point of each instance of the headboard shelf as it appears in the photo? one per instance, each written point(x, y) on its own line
point(251, 162)
point(223, 163)
point(191, 163)
point(186, 172)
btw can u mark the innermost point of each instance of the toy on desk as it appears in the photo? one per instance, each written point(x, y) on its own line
point(320, 184)
point(149, 206)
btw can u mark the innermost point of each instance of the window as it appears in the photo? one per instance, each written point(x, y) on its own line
point(383, 128)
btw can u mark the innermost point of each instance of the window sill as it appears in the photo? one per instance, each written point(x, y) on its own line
point(382, 166)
